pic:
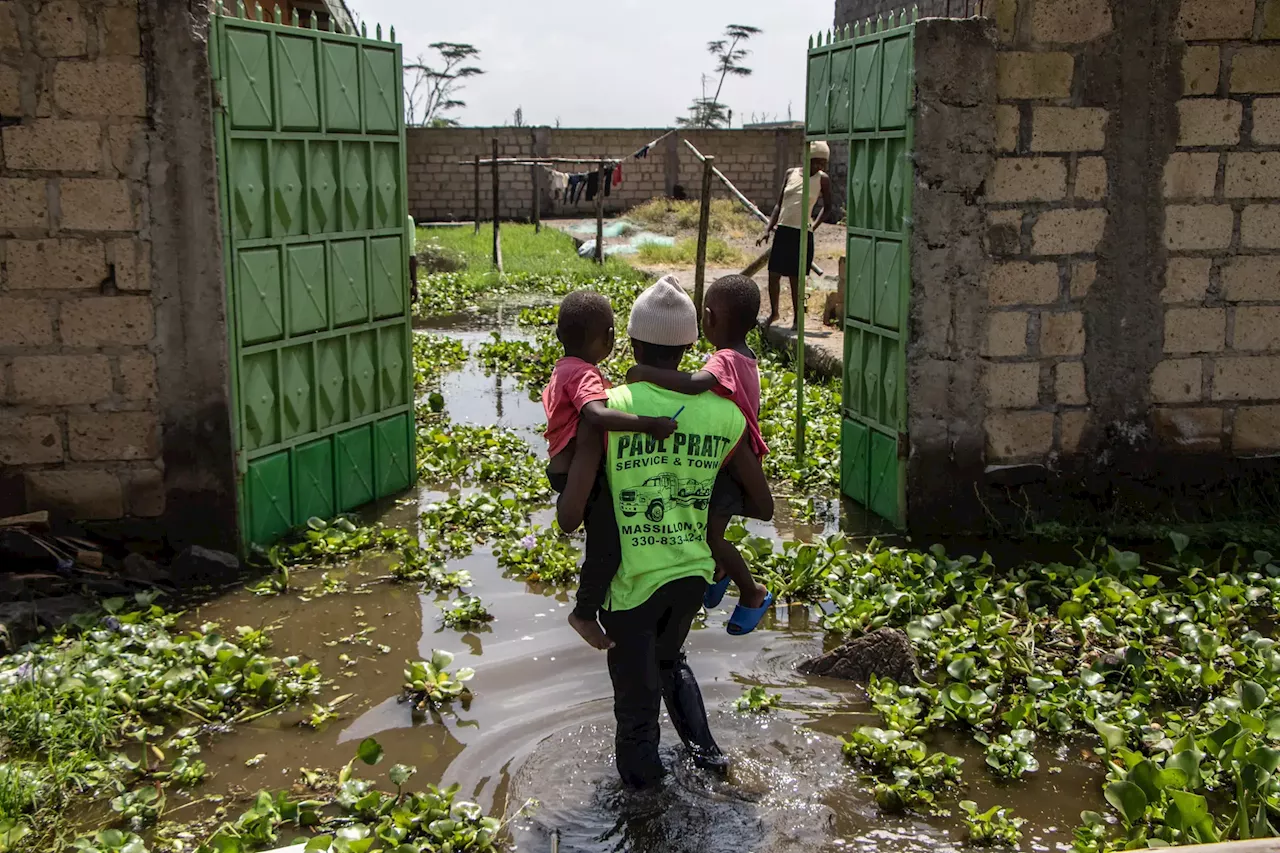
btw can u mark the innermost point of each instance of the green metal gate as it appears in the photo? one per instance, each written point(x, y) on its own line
point(310, 142)
point(860, 93)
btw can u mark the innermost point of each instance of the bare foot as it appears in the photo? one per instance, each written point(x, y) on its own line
point(773, 318)
point(753, 598)
point(590, 630)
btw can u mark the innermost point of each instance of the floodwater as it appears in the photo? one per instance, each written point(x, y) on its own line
point(540, 723)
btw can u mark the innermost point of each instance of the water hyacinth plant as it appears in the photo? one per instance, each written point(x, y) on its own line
point(757, 700)
point(467, 612)
point(429, 685)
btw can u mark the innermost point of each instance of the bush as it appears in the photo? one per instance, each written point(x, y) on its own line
point(685, 253)
point(669, 216)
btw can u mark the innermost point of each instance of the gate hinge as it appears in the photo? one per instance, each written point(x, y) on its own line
point(904, 445)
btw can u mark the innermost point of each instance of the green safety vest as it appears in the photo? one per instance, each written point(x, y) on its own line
point(662, 489)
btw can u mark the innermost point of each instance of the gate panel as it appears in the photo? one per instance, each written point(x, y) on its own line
point(310, 141)
point(878, 99)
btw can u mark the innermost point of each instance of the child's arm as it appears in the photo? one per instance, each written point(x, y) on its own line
point(606, 419)
point(572, 505)
point(674, 380)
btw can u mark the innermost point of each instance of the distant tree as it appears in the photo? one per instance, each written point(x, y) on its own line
point(710, 112)
point(431, 90)
point(517, 118)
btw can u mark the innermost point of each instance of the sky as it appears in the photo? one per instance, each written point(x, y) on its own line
point(625, 63)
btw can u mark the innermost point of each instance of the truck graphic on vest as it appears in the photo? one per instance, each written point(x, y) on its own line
point(658, 493)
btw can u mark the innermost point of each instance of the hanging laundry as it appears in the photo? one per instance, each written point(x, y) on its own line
point(593, 185)
point(559, 184)
point(643, 152)
point(608, 180)
point(617, 174)
point(574, 189)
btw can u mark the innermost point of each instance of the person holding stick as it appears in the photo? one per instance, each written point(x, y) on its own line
point(785, 224)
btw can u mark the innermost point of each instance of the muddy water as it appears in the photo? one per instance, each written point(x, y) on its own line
point(540, 723)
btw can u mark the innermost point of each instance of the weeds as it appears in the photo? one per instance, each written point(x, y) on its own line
point(434, 356)
point(544, 263)
point(756, 700)
point(992, 827)
point(429, 684)
point(70, 708)
point(541, 555)
point(685, 253)
point(669, 216)
point(466, 612)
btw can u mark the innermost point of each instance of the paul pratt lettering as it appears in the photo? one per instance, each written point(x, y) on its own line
point(688, 450)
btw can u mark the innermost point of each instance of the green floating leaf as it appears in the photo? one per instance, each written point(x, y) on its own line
point(370, 751)
point(401, 773)
point(1252, 695)
point(1070, 610)
point(1186, 811)
point(1128, 799)
point(1113, 737)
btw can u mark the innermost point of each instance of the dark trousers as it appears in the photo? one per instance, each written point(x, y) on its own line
point(648, 667)
point(603, 552)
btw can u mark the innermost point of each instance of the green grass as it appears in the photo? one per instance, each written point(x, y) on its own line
point(545, 263)
point(685, 253)
point(670, 217)
point(524, 252)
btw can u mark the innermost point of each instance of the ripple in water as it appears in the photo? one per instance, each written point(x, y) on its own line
point(789, 790)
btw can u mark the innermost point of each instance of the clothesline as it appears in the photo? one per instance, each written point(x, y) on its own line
point(639, 154)
point(570, 188)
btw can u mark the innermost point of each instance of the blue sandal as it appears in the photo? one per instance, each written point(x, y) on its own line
point(745, 619)
point(715, 593)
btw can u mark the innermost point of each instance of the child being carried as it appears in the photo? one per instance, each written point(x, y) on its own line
point(577, 390)
point(730, 312)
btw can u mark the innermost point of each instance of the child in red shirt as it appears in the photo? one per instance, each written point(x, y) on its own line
point(577, 390)
point(731, 309)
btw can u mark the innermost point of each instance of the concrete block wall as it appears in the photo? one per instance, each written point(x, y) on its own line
point(1134, 228)
point(113, 395)
point(80, 426)
point(442, 190)
point(1096, 259)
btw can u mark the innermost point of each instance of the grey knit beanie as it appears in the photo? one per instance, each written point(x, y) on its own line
point(664, 315)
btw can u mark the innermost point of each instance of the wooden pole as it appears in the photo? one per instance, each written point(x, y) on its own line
point(600, 215)
point(806, 205)
point(704, 229)
point(536, 173)
point(497, 234)
point(477, 193)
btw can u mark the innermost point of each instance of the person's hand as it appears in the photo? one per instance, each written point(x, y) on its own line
point(661, 428)
point(763, 238)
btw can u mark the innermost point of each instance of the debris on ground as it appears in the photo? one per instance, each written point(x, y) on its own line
point(49, 573)
point(884, 653)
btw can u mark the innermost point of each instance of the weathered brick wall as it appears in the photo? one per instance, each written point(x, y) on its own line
point(441, 190)
point(79, 428)
point(1134, 228)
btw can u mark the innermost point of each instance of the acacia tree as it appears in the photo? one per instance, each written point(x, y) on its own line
point(710, 112)
point(432, 90)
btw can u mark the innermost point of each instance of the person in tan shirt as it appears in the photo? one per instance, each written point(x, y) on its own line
point(788, 219)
